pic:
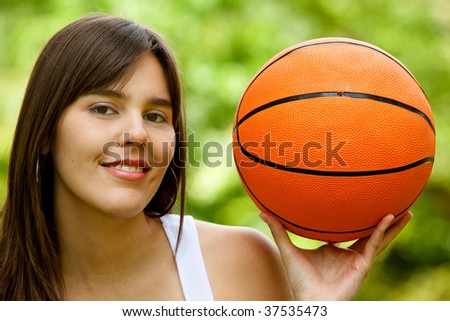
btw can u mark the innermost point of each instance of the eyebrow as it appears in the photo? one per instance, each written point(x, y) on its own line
point(105, 92)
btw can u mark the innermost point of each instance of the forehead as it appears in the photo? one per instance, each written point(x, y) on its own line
point(146, 73)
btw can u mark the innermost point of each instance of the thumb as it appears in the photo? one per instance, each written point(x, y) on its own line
point(279, 234)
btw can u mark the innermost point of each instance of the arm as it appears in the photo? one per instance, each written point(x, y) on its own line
point(242, 264)
point(330, 272)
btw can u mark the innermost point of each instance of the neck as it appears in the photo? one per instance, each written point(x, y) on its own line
point(96, 244)
point(110, 257)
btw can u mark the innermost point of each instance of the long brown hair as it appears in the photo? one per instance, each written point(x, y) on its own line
point(88, 54)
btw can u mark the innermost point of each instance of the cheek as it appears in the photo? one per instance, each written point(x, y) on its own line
point(64, 149)
point(74, 148)
point(161, 150)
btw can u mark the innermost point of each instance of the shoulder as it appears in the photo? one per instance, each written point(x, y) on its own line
point(242, 263)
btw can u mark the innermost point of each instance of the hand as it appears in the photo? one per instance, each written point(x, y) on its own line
point(330, 272)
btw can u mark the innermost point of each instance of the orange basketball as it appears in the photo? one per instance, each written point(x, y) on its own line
point(331, 135)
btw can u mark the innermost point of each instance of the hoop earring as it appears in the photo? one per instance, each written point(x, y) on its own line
point(175, 178)
point(154, 214)
point(37, 171)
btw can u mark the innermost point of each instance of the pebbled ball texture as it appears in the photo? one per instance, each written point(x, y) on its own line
point(331, 135)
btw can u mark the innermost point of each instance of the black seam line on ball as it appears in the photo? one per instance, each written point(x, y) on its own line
point(325, 42)
point(311, 229)
point(306, 171)
point(337, 94)
point(340, 42)
point(331, 232)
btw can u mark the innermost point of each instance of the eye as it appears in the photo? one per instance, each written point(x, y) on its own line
point(155, 117)
point(103, 110)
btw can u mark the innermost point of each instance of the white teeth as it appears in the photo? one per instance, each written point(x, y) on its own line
point(129, 168)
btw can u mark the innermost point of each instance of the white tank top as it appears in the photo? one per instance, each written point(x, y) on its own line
point(190, 265)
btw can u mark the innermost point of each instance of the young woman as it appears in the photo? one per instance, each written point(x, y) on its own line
point(96, 166)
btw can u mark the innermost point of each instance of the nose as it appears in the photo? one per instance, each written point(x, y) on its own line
point(134, 131)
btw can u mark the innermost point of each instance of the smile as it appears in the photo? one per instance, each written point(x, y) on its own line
point(134, 169)
point(127, 169)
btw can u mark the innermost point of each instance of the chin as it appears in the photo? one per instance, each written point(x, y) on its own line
point(126, 205)
point(124, 212)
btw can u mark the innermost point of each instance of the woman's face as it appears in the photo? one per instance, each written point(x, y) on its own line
point(113, 146)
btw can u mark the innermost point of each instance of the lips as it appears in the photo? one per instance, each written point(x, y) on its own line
point(128, 165)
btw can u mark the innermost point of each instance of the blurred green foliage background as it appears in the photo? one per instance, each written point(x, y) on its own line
point(220, 44)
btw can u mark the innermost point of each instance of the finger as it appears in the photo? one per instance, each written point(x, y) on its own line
point(375, 240)
point(279, 234)
point(360, 244)
point(388, 236)
point(394, 230)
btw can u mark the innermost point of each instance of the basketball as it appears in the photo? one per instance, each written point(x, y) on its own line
point(331, 135)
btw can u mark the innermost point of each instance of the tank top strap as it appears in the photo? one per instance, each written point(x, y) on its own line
point(189, 259)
